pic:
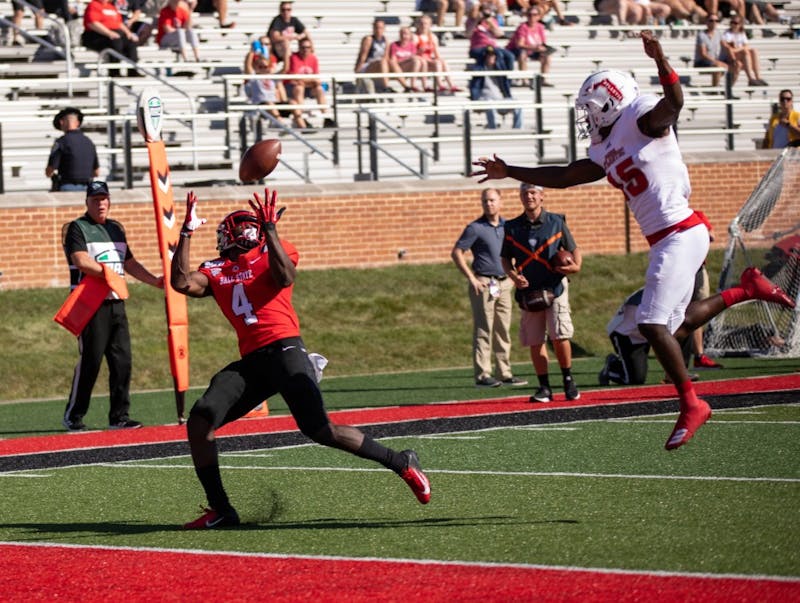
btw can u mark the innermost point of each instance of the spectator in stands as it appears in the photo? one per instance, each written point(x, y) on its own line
point(440, 7)
point(681, 10)
point(260, 61)
point(103, 28)
point(760, 12)
point(403, 58)
point(724, 7)
point(739, 54)
point(783, 129)
point(530, 41)
point(477, 8)
point(653, 12)
point(493, 88)
point(627, 12)
point(373, 55)
point(133, 16)
point(208, 7)
point(304, 62)
point(19, 14)
point(428, 50)
point(285, 29)
point(485, 34)
point(175, 29)
point(73, 160)
point(708, 48)
point(551, 11)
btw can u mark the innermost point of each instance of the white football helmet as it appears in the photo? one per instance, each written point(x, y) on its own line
point(601, 99)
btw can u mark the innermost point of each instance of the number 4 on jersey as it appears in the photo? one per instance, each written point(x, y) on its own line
point(241, 305)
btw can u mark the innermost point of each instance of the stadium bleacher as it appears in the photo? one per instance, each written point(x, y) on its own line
point(208, 120)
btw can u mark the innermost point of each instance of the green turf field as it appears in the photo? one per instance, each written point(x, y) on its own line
point(598, 494)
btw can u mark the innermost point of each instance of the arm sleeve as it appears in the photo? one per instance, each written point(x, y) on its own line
point(568, 240)
point(54, 160)
point(467, 238)
point(74, 240)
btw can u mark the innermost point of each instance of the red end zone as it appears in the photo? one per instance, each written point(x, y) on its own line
point(273, 424)
point(117, 574)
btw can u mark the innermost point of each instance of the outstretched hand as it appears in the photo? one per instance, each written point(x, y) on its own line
point(265, 212)
point(493, 169)
point(652, 47)
point(191, 222)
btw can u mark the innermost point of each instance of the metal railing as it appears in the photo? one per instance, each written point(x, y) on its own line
point(65, 52)
point(121, 59)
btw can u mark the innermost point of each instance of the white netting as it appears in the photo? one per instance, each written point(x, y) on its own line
point(765, 233)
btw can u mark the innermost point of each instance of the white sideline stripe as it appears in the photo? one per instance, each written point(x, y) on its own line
point(16, 474)
point(451, 563)
point(701, 478)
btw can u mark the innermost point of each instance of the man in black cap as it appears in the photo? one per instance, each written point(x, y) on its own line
point(90, 241)
point(73, 159)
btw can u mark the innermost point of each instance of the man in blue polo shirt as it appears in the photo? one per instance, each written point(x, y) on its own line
point(489, 294)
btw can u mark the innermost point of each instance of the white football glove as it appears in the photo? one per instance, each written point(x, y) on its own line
point(191, 222)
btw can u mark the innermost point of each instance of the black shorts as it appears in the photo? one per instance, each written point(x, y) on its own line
point(282, 367)
point(204, 7)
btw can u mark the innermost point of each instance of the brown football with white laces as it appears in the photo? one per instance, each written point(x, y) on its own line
point(259, 160)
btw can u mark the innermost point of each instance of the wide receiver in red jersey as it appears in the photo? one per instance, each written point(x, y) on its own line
point(252, 283)
point(633, 145)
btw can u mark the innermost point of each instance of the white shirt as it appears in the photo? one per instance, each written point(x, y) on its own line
point(649, 171)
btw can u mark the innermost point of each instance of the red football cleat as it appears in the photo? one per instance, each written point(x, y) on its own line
point(415, 478)
point(759, 286)
point(211, 519)
point(703, 362)
point(689, 421)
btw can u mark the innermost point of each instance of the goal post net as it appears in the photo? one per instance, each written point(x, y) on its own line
point(766, 234)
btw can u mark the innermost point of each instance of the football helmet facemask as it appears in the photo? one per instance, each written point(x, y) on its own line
point(238, 229)
point(601, 99)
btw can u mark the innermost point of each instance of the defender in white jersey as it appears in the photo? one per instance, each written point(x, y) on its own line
point(633, 145)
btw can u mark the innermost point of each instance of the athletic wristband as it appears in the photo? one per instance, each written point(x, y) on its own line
point(186, 234)
point(669, 79)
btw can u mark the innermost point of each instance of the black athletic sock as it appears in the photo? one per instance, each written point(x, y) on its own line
point(544, 380)
point(211, 481)
point(372, 450)
point(566, 373)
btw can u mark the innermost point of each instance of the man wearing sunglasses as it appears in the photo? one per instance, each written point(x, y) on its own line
point(707, 48)
point(783, 129)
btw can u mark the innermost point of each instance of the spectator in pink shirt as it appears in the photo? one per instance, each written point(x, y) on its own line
point(485, 34)
point(530, 42)
point(403, 58)
point(304, 62)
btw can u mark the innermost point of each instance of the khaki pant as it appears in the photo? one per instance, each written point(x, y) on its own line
point(491, 338)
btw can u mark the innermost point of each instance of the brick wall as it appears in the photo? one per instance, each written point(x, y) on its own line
point(355, 224)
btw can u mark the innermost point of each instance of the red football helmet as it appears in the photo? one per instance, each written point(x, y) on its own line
point(238, 229)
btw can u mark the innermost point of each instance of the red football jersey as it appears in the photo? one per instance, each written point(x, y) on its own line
point(259, 310)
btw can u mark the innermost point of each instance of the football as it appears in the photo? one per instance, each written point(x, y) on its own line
point(259, 160)
point(562, 258)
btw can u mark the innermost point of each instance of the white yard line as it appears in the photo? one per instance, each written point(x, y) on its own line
point(702, 478)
